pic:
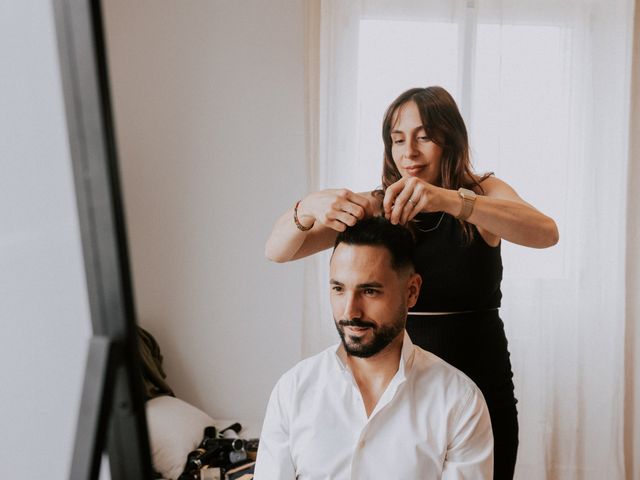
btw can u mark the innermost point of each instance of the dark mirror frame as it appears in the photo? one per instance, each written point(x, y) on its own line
point(112, 416)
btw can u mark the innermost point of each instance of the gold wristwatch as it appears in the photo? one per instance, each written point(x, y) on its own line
point(468, 198)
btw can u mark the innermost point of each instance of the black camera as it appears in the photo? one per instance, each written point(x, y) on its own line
point(213, 451)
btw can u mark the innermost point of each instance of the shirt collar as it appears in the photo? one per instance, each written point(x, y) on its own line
point(406, 357)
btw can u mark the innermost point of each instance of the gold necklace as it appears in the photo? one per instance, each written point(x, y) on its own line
point(432, 228)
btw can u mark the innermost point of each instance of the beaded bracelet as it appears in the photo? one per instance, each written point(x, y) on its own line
point(295, 219)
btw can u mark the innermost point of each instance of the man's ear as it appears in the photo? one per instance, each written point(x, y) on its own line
point(413, 289)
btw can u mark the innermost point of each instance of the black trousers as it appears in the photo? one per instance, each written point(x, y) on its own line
point(475, 343)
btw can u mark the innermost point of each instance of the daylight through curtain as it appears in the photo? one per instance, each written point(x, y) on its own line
point(544, 87)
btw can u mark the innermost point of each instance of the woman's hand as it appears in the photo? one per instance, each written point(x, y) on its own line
point(337, 208)
point(329, 212)
point(498, 212)
point(407, 197)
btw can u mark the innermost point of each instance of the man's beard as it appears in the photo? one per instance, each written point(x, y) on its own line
point(382, 336)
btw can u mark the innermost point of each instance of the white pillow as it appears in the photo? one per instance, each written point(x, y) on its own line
point(175, 429)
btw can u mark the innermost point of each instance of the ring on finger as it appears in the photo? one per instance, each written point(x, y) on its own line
point(412, 202)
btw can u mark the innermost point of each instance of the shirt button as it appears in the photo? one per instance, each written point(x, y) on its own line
point(361, 444)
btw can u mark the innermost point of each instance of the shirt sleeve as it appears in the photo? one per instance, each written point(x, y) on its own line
point(470, 451)
point(274, 452)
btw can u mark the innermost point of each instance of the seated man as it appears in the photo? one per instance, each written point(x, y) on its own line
point(375, 406)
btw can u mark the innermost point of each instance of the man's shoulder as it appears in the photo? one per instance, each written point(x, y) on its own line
point(310, 368)
point(430, 368)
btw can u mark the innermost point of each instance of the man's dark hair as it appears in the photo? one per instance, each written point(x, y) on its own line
point(378, 231)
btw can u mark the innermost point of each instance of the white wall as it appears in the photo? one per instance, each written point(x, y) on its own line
point(44, 313)
point(209, 102)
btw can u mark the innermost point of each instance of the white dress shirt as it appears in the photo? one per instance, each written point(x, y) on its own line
point(431, 422)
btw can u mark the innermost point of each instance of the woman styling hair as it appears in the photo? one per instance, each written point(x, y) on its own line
point(458, 218)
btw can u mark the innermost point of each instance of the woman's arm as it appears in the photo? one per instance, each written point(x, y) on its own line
point(498, 213)
point(329, 212)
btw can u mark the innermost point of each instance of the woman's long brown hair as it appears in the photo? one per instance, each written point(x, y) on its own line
point(444, 125)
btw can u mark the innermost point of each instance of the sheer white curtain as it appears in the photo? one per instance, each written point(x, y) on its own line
point(544, 87)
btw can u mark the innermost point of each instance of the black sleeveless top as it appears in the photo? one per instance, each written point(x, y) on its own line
point(457, 275)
